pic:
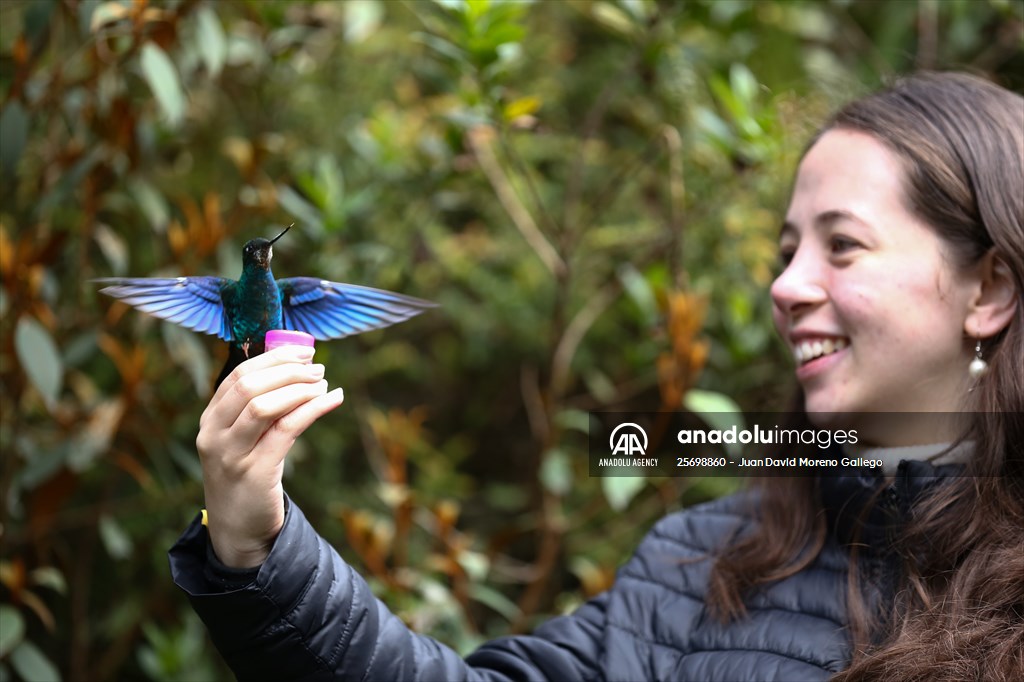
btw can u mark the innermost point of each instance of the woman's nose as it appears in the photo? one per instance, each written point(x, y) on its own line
point(800, 286)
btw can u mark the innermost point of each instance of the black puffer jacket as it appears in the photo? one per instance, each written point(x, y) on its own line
point(307, 615)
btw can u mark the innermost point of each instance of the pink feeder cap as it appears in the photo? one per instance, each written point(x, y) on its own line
point(286, 337)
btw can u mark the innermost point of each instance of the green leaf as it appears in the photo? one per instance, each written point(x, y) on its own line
point(12, 629)
point(743, 84)
point(29, 662)
point(555, 472)
point(724, 11)
point(150, 663)
point(42, 464)
point(105, 13)
point(494, 599)
point(713, 127)
point(724, 95)
point(85, 12)
point(89, 443)
point(331, 184)
point(50, 576)
point(151, 203)
point(642, 10)
point(577, 420)
point(718, 410)
point(620, 490)
point(80, 348)
point(115, 540)
point(442, 47)
point(639, 289)
point(113, 247)
point(39, 357)
point(188, 352)
point(70, 180)
point(362, 19)
point(614, 19)
point(475, 564)
point(13, 133)
point(741, 309)
point(213, 47)
point(297, 205)
point(600, 385)
point(162, 77)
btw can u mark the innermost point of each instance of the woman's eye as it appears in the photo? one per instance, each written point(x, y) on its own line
point(786, 254)
point(840, 244)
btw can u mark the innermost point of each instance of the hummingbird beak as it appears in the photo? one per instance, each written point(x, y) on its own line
point(282, 234)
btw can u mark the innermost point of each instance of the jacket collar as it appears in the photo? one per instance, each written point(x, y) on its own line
point(938, 453)
point(866, 507)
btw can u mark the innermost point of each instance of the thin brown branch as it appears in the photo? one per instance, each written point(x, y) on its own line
point(574, 333)
point(524, 171)
point(480, 142)
point(927, 34)
point(552, 533)
point(677, 199)
point(533, 401)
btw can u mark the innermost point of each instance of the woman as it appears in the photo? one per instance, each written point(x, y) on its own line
point(904, 270)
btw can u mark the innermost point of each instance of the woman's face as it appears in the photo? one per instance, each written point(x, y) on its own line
point(869, 301)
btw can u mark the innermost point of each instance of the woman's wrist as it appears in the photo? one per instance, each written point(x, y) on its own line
point(233, 556)
point(235, 541)
point(235, 547)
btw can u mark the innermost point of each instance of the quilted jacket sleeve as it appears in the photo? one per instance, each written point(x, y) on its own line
point(310, 616)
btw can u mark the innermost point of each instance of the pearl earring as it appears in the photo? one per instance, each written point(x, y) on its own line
point(978, 366)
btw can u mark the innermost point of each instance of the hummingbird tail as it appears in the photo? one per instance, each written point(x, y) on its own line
point(236, 356)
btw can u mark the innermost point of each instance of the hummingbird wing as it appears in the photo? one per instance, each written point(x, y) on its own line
point(332, 310)
point(192, 302)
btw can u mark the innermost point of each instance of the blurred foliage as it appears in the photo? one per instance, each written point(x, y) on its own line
point(591, 191)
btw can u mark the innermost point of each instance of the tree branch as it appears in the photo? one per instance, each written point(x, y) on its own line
point(480, 142)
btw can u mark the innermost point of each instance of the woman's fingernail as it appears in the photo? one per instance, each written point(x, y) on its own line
point(316, 370)
point(338, 394)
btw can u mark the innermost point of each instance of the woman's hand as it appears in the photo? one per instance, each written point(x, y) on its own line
point(244, 435)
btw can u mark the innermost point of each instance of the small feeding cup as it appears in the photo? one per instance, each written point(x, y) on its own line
point(286, 337)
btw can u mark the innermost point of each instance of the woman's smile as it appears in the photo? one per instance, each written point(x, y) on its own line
point(816, 357)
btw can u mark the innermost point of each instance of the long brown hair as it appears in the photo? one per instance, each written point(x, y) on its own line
point(959, 612)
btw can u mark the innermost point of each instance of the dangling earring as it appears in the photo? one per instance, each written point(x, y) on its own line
point(978, 367)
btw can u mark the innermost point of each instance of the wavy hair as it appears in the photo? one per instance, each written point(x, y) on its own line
point(959, 611)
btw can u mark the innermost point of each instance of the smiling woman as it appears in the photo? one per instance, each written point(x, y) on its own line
point(870, 279)
point(904, 266)
point(904, 251)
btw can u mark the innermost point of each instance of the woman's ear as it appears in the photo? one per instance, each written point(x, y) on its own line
point(995, 301)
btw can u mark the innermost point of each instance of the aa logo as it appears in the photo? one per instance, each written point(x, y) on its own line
point(628, 439)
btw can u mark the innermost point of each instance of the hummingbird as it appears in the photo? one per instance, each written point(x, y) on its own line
point(242, 311)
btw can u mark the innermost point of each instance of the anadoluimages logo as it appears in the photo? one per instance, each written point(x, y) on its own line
point(626, 440)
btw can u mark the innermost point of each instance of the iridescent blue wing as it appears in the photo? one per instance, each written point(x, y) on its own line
point(332, 310)
point(192, 302)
